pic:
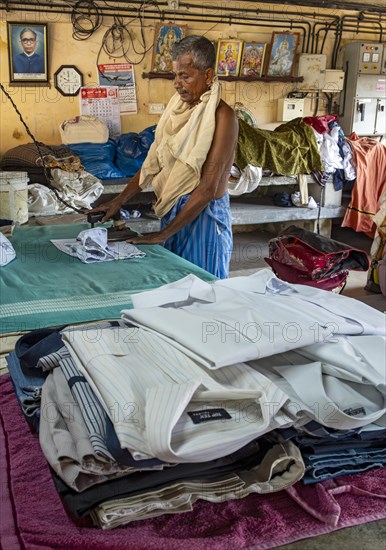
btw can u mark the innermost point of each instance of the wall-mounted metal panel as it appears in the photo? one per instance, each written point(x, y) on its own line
point(364, 93)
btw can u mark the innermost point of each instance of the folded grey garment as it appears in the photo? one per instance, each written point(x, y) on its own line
point(176, 498)
point(281, 467)
point(99, 519)
point(65, 442)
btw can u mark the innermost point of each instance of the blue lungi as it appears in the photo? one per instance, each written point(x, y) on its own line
point(207, 241)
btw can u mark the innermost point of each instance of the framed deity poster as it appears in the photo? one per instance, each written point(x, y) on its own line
point(253, 59)
point(164, 38)
point(27, 52)
point(228, 57)
point(282, 54)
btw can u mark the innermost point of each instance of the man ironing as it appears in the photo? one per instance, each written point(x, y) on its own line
point(188, 164)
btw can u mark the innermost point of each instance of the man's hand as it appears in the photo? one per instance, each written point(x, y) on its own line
point(113, 206)
point(110, 208)
point(149, 238)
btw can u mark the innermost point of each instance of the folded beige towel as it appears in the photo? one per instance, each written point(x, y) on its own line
point(182, 140)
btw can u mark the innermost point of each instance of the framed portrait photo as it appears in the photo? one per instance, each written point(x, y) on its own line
point(27, 52)
point(282, 54)
point(164, 38)
point(228, 57)
point(253, 59)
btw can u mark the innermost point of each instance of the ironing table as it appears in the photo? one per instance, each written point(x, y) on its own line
point(45, 287)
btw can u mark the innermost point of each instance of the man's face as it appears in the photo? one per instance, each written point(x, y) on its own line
point(28, 42)
point(189, 82)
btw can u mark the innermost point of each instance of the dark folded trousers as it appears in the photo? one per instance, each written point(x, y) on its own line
point(81, 504)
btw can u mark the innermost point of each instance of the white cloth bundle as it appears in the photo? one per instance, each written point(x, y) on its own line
point(7, 252)
point(84, 129)
point(79, 189)
point(91, 246)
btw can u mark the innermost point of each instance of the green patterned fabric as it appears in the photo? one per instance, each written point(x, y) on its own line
point(289, 150)
point(44, 287)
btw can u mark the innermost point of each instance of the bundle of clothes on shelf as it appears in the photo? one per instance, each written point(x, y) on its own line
point(317, 146)
point(79, 168)
point(311, 145)
point(206, 391)
point(53, 167)
point(88, 159)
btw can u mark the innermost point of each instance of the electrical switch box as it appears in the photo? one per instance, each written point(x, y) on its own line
point(312, 68)
point(364, 101)
point(333, 81)
point(288, 109)
point(364, 58)
point(383, 66)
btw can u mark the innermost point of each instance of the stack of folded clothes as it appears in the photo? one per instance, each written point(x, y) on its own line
point(142, 416)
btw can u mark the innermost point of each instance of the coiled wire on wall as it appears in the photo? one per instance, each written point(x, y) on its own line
point(118, 40)
point(86, 18)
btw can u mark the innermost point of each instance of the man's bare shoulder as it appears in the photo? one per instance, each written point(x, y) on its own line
point(224, 110)
point(227, 116)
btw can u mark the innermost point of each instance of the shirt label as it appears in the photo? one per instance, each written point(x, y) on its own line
point(355, 412)
point(209, 414)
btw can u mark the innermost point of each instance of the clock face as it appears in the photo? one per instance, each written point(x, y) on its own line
point(68, 80)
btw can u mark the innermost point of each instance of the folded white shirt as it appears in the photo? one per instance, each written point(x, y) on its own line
point(181, 292)
point(242, 324)
point(164, 404)
point(340, 384)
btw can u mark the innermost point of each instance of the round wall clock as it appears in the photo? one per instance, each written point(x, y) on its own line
point(68, 80)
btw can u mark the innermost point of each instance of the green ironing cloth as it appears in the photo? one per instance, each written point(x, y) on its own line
point(44, 287)
point(288, 150)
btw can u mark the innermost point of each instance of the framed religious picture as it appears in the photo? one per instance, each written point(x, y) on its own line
point(282, 53)
point(27, 52)
point(253, 59)
point(164, 38)
point(228, 57)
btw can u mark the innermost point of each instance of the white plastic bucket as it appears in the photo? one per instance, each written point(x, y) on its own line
point(14, 196)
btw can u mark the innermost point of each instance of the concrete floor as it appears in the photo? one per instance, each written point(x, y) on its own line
point(249, 251)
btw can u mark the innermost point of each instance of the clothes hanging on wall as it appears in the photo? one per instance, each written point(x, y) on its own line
point(370, 159)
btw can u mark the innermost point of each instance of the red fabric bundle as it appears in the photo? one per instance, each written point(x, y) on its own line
point(303, 257)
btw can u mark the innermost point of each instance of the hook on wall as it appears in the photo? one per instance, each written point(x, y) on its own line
point(173, 4)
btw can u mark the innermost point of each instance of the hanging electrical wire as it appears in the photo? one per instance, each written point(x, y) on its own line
point(118, 40)
point(86, 18)
point(38, 147)
point(141, 17)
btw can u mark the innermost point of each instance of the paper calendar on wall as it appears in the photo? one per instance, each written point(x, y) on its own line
point(102, 102)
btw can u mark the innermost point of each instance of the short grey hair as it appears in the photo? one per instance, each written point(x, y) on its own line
point(27, 29)
point(200, 48)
